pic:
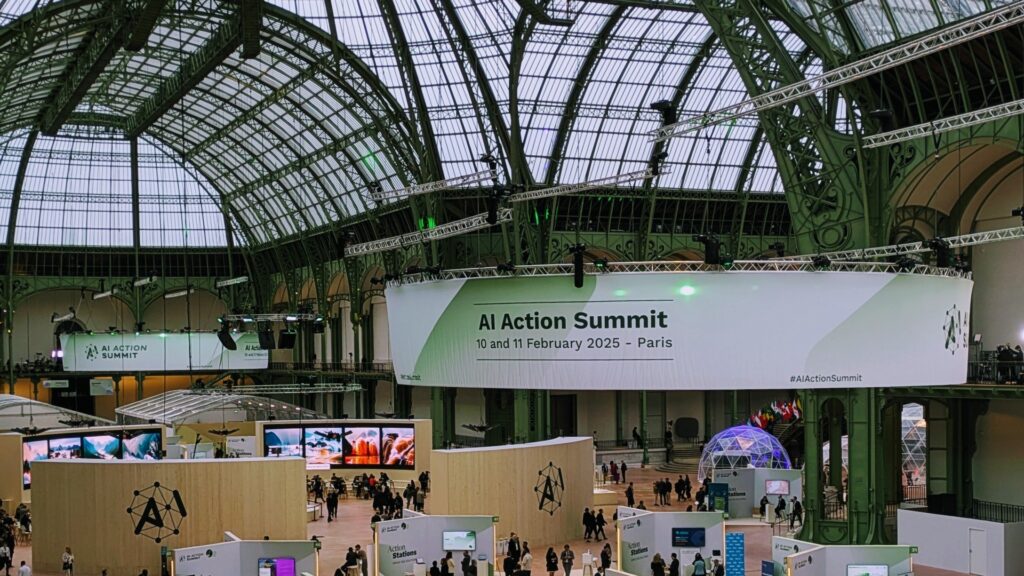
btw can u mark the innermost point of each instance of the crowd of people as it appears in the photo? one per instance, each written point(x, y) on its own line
point(617, 472)
point(794, 510)
point(701, 567)
point(9, 527)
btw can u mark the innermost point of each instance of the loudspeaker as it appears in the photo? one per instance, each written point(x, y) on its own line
point(266, 339)
point(286, 340)
point(226, 340)
point(577, 268)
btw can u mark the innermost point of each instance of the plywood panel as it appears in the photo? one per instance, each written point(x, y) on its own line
point(10, 470)
point(508, 481)
point(84, 504)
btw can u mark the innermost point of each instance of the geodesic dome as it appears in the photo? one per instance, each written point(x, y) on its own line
point(915, 443)
point(742, 447)
point(845, 447)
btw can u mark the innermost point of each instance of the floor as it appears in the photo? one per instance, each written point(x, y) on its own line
point(353, 528)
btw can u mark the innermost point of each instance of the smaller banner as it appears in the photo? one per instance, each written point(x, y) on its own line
point(735, 554)
point(128, 352)
point(101, 387)
point(55, 384)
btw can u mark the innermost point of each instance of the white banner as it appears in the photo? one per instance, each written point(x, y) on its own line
point(400, 543)
point(128, 352)
point(702, 331)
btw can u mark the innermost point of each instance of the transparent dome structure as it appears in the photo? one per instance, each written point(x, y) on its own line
point(915, 444)
point(742, 447)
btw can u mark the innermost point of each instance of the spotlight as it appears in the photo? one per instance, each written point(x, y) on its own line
point(601, 264)
point(414, 270)
point(140, 282)
point(668, 112)
point(54, 318)
point(376, 281)
point(943, 251)
point(712, 248)
point(779, 247)
point(577, 251)
point(821, 262)
point(318, 325)
point(1018, 212)
point(656, 161)
point(179, 293)
point(224, 335)
point(507, 267)
point(434, 270)
point(232, 281)
point(906, 263)
point(105, 294)
point(391, 277)
point(489, 159)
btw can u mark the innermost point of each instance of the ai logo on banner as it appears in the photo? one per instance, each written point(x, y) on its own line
point(955, 328)
point(157, 512)
point(549, 489)
point(91, 351)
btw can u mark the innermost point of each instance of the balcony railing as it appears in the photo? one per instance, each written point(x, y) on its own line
point(384, 367)
point(996, 511)
point(994, 371)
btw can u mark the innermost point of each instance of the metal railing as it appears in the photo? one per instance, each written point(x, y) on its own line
point(385, 367)
point(630, 444)
point(994, 371)
point(915, 494)
point(833, 510)
point(996, 511)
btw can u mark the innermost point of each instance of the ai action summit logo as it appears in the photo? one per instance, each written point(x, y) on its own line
point(550, 487)
point(955, 328)
point(91, 352)
point(157, 512)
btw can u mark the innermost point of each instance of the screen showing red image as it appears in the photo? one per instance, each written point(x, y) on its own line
point(398, 447)
point(362, 446)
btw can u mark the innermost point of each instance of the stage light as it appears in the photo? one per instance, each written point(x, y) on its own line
point(318, 325)
point(943, 251)
point(507, 267)
point(414, 270)
point(105, 294)
point(687, 290)
point(232, 282)
point(140, 282)
point(906, 263)
point(54, 318)
point(821, 262)
point(779, 247)
point(291, 318)
point(601, 263)
point(669, 115)
point(224, 335)
point(1018, 212)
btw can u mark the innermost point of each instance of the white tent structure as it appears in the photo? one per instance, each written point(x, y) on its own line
point(209, 406)
point(26, 415)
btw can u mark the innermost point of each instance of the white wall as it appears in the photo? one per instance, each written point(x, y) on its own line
point(642, 535)
point(943, 542)
point(998, 465)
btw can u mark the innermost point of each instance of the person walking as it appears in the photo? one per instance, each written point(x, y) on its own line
point(604, 473)
point(567, 560)
point(599, 524)
point(687, 488)
point(588, 524)
point(67, 561)
point(629, 495)
point(551, 561)
point(797, 514)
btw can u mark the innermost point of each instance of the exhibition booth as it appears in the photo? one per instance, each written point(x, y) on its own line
point(235, 557)
point(119, 514)
point(408, 545)
point(350, 447)
point(748, 485)
point(963, 544)
point(642, 534)
point(797, 558)
point(537, 489)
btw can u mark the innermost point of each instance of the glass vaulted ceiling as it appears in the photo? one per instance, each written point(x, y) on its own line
point(289, 142)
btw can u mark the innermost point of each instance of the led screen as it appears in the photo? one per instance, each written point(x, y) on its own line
point(688, 538)
point(398, 447)
point(283, 566)
point(101, 447)
point(362, 446)
point(141, 445)
point(460, 540)
point(31, 451)
point(65, 448)
point(280, 442)
point(776, 487)
point(325, 447)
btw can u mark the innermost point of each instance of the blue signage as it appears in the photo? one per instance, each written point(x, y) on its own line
point(735, 554)
point(767, 568)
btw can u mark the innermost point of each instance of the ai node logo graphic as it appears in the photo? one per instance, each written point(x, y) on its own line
point(157, 512)
point(91, 352)
point(550, 487)
point(955, 328)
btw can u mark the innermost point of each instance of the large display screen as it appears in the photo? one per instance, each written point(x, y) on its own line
point(333, 447)
point(776, 487)
point(282, 566)
point(31, 451)
point(101, 446)
point(282, 442)
point(398, 447)
point(141, 445)
point(458, 540)
point(325, 447)
point(867, 570)
point(362, 446)
point(688, 538)
point(65, 448)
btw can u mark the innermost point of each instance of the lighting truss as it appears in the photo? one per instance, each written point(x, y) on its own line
point(583, 186)
point(664, 266)
point(232, 281)
point(315, 388)
point(447, 230)
point(970, 29)
point(946, 124)
point(917, 247)
point(381, 195)
point(282, 317)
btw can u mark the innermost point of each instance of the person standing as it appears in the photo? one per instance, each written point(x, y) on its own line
point(687, 488)
point(604, 473)
point(615, 471)
point(5, 559)
point(657, 566)
point(466, 559)
point(673, 567)
point(797, 514)
point(526, 562)
point(361, 558)
point(699, 567)
point(637, 439)
point(434, 570)
point(629, 495)
point(606, 556)
point(679, 489)
point(551, 562)
point(24, 570)
point(514, 550)
point(67, 561)
point(449, 563)
point(567, 560)
point(622, 468)
point(599, 524)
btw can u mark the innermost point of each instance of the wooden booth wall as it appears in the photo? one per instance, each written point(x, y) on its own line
point(10, 470)
point(508, 482)
point(424, 442)
point(85, 504)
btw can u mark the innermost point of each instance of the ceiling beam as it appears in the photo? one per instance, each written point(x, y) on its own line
point(219, 46)
point(142, 25)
